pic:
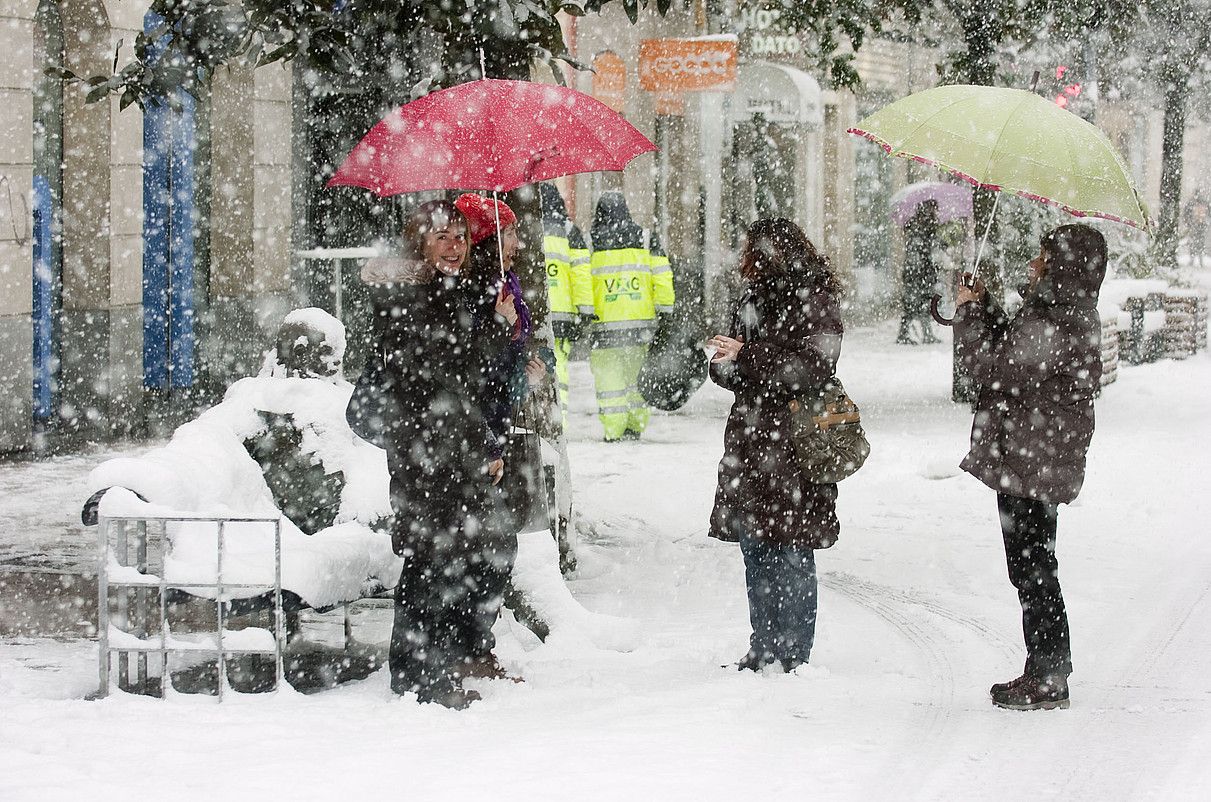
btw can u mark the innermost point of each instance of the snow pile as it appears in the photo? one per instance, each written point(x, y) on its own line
point(536, 575)
point(206, 470)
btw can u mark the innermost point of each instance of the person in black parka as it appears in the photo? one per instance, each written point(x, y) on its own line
point(1037, 373)
point(920, 273)
point(784, 341)
point(442, 458)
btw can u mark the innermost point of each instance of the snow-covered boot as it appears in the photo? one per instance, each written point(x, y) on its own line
point(753, 661)
point(454, 698)
point(1033, 693)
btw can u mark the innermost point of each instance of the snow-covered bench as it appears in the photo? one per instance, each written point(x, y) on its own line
point(276, 445)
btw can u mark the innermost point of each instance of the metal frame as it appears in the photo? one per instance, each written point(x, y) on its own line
point(124, 526)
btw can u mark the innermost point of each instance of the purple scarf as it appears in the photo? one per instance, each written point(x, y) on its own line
point(525, 324)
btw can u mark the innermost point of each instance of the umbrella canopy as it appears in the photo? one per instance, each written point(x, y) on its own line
point(490, 135)
point(954, 201)
point(1010, 140)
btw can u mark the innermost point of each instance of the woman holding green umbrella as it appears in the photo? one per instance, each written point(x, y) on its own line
point(1038, 373)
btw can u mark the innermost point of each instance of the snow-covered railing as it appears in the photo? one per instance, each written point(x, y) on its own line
point(134, 580)
point(1153, 320)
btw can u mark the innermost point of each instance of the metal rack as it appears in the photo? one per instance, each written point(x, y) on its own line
point(140, 545)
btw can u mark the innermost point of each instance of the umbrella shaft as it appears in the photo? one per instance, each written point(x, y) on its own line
point(975, 271)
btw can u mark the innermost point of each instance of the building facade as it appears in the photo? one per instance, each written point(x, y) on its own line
point(142, 256)
point(146, 258)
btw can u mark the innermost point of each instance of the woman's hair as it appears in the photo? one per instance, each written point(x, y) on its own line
point(483, 261)
point(777, 247)
point(434, 215)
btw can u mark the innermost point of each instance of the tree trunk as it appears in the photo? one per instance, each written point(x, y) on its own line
point(1176, 94)
point(981, 40)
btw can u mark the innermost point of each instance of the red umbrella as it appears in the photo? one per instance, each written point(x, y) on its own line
point(490, 135)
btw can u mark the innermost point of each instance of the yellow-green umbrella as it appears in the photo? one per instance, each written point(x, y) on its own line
point(1010, 140)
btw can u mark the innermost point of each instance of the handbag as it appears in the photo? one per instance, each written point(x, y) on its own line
point(373, 409)
point(674, 367)
point(827, 434)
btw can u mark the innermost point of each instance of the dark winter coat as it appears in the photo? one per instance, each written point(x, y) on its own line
point(792, 338)
point(439, 450)
point(1037, 375)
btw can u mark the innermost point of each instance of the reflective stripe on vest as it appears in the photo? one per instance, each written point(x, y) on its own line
point(559, 277)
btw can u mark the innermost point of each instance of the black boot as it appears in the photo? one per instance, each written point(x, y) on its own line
point(1032, 693)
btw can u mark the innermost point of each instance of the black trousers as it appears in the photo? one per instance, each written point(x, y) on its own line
point(1029, 528)
point(445, 606)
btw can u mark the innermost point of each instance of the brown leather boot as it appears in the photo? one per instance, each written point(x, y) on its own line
point(1002, 687)
point(486, 668)
point(1033, 693)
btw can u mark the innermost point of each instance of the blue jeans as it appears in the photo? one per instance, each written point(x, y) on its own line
point(782, 594)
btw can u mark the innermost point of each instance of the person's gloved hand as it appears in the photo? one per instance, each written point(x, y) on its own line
point(581, 326)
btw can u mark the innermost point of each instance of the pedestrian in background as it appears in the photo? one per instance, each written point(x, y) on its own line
point(1198, 217)
point(569, 283)
point(920, 275)
point(1037, 374)
point(630, 289)
point(784, 340)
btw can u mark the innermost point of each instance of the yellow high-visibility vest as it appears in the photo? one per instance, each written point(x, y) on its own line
point(623, 295)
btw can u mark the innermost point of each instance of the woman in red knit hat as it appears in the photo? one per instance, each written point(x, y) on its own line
point(495, 292)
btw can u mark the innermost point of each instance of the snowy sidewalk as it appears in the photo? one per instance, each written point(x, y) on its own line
point(917, 618)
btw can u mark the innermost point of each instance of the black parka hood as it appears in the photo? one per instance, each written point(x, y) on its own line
point(613, 229)
point(1076, 266)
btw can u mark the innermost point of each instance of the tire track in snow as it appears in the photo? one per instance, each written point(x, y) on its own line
point(934, 714)
point(1154, 651)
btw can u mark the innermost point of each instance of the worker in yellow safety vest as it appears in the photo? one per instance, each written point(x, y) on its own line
point(569, 288)
point(631, 287)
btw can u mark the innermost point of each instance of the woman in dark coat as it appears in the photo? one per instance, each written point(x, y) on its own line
point(441, 455)
point(1038, 374)
point(784, 341)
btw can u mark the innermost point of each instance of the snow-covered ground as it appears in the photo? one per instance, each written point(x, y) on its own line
point(916, 620)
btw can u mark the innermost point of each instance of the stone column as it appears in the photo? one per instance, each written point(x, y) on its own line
point(16, 188)
point(84, 335)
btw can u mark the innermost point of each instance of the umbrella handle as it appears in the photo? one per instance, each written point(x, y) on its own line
point(937, 315)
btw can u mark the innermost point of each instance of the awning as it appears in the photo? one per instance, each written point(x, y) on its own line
point(779, 93)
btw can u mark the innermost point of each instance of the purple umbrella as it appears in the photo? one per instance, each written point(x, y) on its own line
point(954, 201)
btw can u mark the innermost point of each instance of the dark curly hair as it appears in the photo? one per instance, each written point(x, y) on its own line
point(776, 247)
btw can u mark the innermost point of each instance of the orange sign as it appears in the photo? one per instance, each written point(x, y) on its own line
point(688, 65)
point(610, 80)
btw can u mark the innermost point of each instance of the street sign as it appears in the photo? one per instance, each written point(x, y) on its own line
point(701, 64)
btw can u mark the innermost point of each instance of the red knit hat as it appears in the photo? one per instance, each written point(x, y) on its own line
point(481, 215)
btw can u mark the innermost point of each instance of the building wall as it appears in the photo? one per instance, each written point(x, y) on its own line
point(100, 337)
point(16, 186)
